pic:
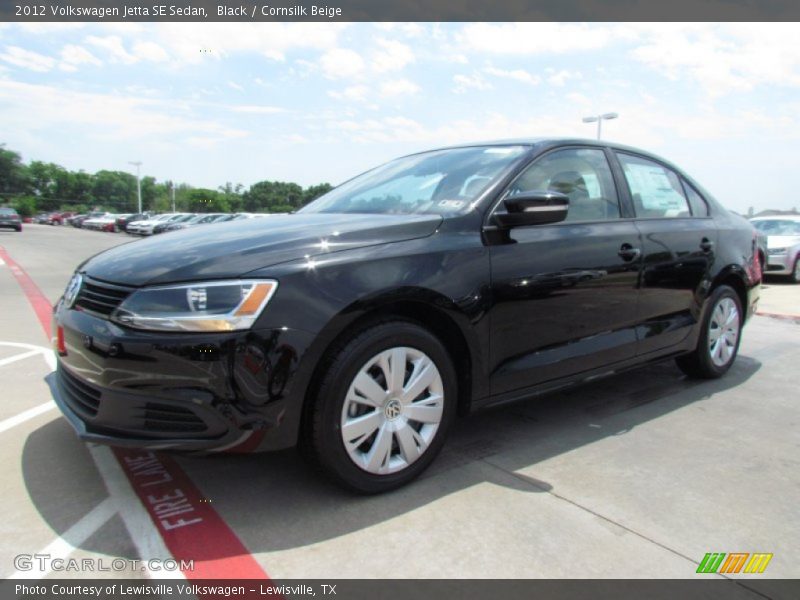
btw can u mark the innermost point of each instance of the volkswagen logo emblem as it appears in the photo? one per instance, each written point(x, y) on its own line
point(393, 409)
point(72, 290)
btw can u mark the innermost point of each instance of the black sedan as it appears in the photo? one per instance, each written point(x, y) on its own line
point(437, 284)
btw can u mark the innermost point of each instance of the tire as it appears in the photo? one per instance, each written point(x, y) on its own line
point(795, 276)
point(18, 229)
point(716, 351)
point(360, 434)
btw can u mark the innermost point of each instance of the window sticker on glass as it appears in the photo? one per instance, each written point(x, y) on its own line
point(654, 187)
point(592, 184)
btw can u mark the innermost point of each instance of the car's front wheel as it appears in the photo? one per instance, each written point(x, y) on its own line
point(383, 408)
point(795, 276)
point(719, 339)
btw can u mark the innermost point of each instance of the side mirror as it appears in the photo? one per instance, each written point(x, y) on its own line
point(533, 208)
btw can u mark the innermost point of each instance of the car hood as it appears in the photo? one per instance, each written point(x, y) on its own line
point(232, 249)
point(782, 241)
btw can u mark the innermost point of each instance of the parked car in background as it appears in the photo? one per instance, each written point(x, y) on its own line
point(162, 227)
point(435, 285)
point(106, 222)
point(59, 218)
point(41, 218)
point(124, 220)
point(78, 220)
point(783, 244)
point(145, 226)
point(9, 219)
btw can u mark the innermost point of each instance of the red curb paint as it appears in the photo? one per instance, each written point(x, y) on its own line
point(41, 305)
point(187, 522)
point(189, 525)
point(779, 316)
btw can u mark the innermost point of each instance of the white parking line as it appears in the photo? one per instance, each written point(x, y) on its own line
point(16, 357)
point(26, 416)
point(32, 350)
point(47, 353)
point(137, 521)
point(72, 538)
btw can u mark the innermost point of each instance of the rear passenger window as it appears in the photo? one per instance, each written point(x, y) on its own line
point(696, 201)
point(656, 191)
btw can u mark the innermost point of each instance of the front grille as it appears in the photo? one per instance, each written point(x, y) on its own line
point(166, 418)
point(82, 398)
point(100, 297)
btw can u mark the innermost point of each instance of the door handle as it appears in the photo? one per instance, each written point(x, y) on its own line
point(706, 245)
point(628, 252)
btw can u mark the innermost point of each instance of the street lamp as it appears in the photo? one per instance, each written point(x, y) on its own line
point(599, 120)
point(138, 165)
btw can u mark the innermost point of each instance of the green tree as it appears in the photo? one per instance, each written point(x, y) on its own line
point(13, 173)
point(25, 206)
point(315, 191)
point(201, 200)
point(115, 189)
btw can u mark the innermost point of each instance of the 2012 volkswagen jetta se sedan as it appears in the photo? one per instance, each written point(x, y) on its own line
point(434, 285)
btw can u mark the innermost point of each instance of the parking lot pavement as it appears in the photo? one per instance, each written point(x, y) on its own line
point(780, 297)
point(639, 475)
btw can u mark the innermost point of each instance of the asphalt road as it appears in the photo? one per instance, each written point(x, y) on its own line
point(638, 475)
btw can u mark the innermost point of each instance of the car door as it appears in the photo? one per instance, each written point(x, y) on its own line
point(564, 294)
point(678, 239)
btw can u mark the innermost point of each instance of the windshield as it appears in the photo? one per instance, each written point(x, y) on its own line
point(442, 181)
point(778, 227)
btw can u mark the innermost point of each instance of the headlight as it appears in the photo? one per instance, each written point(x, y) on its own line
point(210, 306)
point(777, 250)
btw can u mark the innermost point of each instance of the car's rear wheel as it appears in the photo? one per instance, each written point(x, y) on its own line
point(383, 408)
point(719, 339)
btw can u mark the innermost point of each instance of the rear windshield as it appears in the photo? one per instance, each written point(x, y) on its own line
point(7, 211)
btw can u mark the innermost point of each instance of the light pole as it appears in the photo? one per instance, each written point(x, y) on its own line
point(138, 165)
point(599, 120)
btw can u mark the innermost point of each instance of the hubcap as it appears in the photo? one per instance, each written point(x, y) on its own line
point(392, 410)
point(723, 332)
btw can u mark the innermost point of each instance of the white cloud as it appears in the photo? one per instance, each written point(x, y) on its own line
point(235, 86)
point(26, 59)
point(114, 47)
point(73, 55)
point(399, 87)
point(258, 109)
point(724, 58)
point(183, 41)
point(353, 93)
point(339, 63)
point(560, 78)
point(150, 51)
point(535, 38)
point(392, 56)
point(32, 108)
point(520, 75)
point(466, 82)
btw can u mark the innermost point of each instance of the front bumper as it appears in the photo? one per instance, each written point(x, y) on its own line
point(194, 392)
point(780, 264)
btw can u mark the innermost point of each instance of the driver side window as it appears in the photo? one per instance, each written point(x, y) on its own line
point(582, 174)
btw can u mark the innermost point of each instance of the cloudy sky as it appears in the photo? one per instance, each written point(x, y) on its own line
point(209, 103)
